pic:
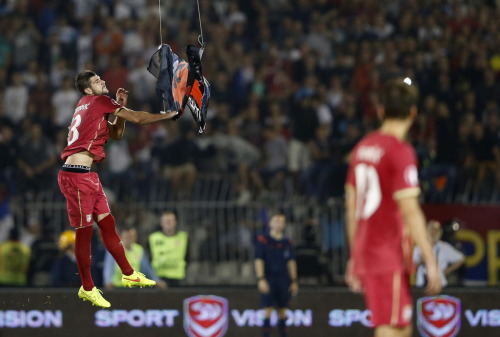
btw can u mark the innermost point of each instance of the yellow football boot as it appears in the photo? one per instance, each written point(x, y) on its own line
point(137, 280)
point(94, 296)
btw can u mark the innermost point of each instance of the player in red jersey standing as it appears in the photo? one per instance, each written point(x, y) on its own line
point(383, 215)
point(97, 117)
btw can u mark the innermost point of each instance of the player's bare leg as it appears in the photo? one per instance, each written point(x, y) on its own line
point(392, 331)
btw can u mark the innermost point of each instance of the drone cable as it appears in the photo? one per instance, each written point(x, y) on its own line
point(201, 41)
point(161, 44)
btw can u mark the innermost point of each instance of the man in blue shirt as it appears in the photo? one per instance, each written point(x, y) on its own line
point(276, 271)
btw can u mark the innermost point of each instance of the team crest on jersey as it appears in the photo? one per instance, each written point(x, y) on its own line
point(89, 217)
point(206, 316)
point(438, 316)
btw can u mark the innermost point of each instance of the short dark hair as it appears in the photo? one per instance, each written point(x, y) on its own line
point(82, 80)
point(126, 228)
point(169, 211)
point(398, 96)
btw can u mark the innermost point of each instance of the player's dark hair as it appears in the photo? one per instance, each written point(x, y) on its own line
point(398, 97)
point(82, 80)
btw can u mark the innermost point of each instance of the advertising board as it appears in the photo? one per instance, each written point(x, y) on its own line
point(233, 312)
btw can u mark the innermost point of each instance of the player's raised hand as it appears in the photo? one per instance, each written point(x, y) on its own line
point(170, 114)
point(433, 279)
point(122, 96)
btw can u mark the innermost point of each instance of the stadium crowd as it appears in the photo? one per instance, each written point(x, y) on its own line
point(294, 86)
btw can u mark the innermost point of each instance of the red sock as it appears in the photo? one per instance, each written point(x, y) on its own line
point(84, 256)
point(113, 243)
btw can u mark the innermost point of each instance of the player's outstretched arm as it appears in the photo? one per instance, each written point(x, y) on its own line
point(414, 219)
point(143, 117)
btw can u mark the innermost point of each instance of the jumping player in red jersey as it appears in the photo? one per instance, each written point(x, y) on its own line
point(383, 215)
point(97, 117)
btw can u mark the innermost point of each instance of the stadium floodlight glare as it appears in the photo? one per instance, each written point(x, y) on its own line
point(407, 80)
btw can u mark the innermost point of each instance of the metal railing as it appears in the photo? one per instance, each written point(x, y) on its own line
point(221, 233)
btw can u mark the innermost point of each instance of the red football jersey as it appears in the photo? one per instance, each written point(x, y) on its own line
point(89, 127)
point(382, 170)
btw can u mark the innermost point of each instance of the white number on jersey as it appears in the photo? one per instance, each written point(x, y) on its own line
point(368, 190)
point(73, 129)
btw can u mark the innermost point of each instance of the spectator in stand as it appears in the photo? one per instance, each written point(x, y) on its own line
point(133, 44)
point(169, 250)
point(44, 251)
point(178, 157)
point(449, 259)
point(35, 161)
point(273, 169)
point(40, 104)
point(115, 74)
point(64, 101)
point(84, 44)
point(252, 130)
point(67, 35)
point(8, 153)
point(238, 154)
point(58, 72)
point(29, 74)
point(16, 99)
point(278, 50)
point(303, 120)
point(14, 260)
point(141, 82)
point(64, 269)
point(318, 174)
point(335, 94)
point(25, 41)
point(108, 42)
point(118, 174)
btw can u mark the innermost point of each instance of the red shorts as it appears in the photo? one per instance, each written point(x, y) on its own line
point(85, 198)
point(388, 297)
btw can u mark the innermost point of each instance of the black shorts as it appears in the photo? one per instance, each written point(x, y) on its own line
point(279, 294)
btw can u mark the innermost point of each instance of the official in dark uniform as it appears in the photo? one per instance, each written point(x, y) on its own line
point(276, 271)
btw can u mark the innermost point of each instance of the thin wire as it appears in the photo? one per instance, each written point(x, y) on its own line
point(159, 15)
point(200, 38)
point(161, 45)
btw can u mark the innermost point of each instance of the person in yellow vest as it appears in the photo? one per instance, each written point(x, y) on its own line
point(14, 260)
point(136, 255)
point(169, 250)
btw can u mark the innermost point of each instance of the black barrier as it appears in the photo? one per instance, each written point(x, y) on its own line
point(233, 312)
